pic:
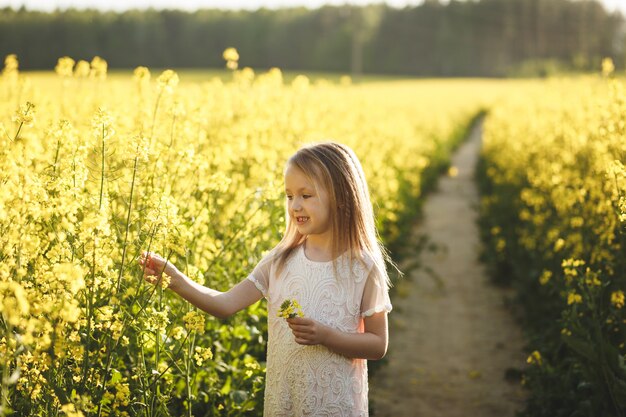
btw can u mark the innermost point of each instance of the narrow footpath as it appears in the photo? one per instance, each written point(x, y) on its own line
point(453, 344)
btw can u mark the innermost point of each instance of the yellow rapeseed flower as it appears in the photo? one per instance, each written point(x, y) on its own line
point(617, 298)
point(573, 298)
point(141, 75)
point(231, 54)
point(194, 321)
point(545, 277)
point(102, 124)
point(345, 80)
point(82, 69)
point(178, 333)
point(232, 58)
point(608, 67)
point(167, 81)
point(202, 354)
point(25, 114)
point(290, 309)
point(535, 358)
point(14, 302)
point(65, 66)
point(559, 244)
point(98, 68)
point(71, 411)
point(11, 64)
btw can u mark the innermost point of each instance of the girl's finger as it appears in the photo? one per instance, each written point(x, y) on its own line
point(301, 327)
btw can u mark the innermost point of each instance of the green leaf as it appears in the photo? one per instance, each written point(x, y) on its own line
point(581, 347)
point(116, 377)
point(226, 388)
point(239, 397)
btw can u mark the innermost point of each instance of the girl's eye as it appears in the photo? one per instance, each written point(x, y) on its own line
point(289, 197)
point(305, 196)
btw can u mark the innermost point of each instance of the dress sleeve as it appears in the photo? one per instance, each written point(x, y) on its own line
point(260, 275)
point(375, 294)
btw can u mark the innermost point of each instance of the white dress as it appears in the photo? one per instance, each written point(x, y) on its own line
point(312, 380)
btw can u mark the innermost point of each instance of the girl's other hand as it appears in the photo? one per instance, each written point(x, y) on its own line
point(308, 331)
point(154, 266)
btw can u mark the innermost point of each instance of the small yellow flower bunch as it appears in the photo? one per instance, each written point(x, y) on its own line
point(290, 309)
point(535, 358)
point(231, 56)
point(194, 321)
point(617, 298)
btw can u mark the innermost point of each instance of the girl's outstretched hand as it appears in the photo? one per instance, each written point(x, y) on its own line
point(308, 331)
point(154, 266)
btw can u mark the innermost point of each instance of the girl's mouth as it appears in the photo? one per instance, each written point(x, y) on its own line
point(301, 219)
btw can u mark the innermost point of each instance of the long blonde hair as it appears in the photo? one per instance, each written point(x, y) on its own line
point(336, 168)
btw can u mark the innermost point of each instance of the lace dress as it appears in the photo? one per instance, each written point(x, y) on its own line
point(312, 380)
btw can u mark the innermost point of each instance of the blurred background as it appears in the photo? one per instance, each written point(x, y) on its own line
point(431, 38)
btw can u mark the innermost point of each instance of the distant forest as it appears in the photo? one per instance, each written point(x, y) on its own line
point(455, 38)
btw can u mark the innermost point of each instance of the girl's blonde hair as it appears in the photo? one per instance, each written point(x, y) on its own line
point(336, 168)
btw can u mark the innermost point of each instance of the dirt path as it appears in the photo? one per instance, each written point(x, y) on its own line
point(451, 337)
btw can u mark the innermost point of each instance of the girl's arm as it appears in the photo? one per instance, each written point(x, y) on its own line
point(371, 344)
point(216, 303)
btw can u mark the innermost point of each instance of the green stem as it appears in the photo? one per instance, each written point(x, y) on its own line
point(130, 204)
point(89, 315)
point(188, 375)
point(56, 156)
point(18, 131)
point(5, 371)
point(102, 171)
point(156, 107)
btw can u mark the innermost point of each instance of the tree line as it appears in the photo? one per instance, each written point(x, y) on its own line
point(456, 38)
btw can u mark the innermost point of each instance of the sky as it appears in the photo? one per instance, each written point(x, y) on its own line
point(120, 5)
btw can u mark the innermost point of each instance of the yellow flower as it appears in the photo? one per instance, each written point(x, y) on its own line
point(558, 245)
point(25, 114)
point(167, 81)
point(102, 124)
point(141, 74)
point(232, 57)
point(157, 320)
point(11, 64)
point(82, 69)
point(178, 333)
point(607, 67)
point(545, 277)
point(535, 358)
point(617, 298)
point(98, 68)
point(573, 298)
point(290, 309)
point(14, 302)
point(202, 354)
point(70, 410)
point(122, 394)
point(231, 54)
point(194, 321)
point(65, 66)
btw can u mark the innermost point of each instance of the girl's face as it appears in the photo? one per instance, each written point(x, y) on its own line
point(307, 206)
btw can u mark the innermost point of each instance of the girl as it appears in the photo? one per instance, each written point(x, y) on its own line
point(331, 262)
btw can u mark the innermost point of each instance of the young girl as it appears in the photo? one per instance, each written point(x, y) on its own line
point(331, 262)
